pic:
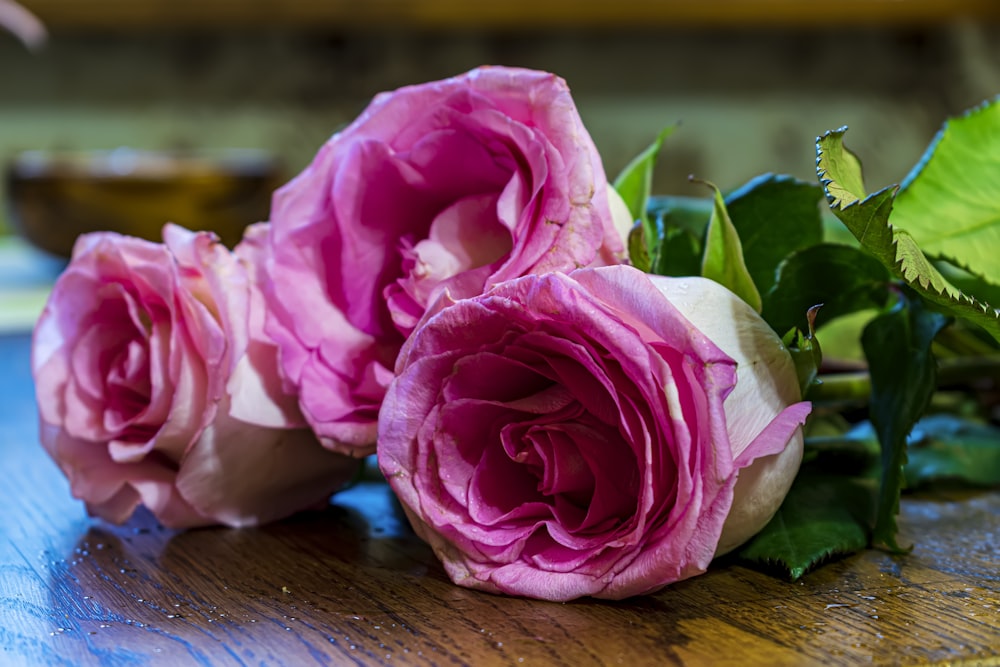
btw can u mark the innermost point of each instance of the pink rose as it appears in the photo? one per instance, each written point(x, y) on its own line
point(458, 184)
point(156, 386)
point(22, 24)
point(571, 435)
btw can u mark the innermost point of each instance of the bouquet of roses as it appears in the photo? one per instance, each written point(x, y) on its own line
point(447, 286)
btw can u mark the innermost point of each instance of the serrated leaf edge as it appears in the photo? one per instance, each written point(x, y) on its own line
point(796, 573)
point(901, 267)
point(932, 147)
point(927, 157)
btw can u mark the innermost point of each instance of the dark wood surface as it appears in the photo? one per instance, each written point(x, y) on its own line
point(352, 585)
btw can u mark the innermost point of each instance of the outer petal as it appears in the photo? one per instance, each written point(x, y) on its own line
point(255, 386)
point(762, 412)
point(22, 23)
point(134, 358)
point(113, 490)
point(241, 474)
point(361, 242)
point(598, 346)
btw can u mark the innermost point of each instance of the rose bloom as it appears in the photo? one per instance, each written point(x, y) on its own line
point(156, 386)
point(601, 433)
point(457, 184)
point(22, 24)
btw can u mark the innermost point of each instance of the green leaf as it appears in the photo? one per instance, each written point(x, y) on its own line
point(679, 254)
point(723, 258)
point(897, 345)
point(866, 216)
point(842, 278)
point(950, 202)
point(940, 448)
point(774, 216)
point(638, 250)
point(821, 517)
point(868, 219)
point(968, 283)
point(805, 351)
point(688, 213)
point(635, 182)
point(846, 184)
point(945, 448)
point(680, 224)
point(855, 453)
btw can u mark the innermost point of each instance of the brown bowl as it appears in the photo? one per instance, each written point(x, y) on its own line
point(56, 196)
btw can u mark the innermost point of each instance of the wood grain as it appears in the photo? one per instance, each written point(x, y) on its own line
point(510, 14)
point(352, 585)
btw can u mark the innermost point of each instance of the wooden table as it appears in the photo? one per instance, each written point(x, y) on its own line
point(352, 585)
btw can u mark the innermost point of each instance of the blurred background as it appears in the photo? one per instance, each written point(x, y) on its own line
point(751, 82)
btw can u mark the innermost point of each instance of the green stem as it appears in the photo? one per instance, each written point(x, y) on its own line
point(855, 388)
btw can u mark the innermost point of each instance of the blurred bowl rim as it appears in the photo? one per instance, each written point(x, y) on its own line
point(140, 163)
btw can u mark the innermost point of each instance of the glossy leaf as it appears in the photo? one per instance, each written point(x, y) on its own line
point(723, 259)
point(638, 248)
point(635, 182)
point(946, 448)
point(842, 278)
point(774, 215)
point(868, 218)
point(680, 224)
point(821, 517)
point(897, 345)
point(968, 283)
point(950, 202)
point(940, 448)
